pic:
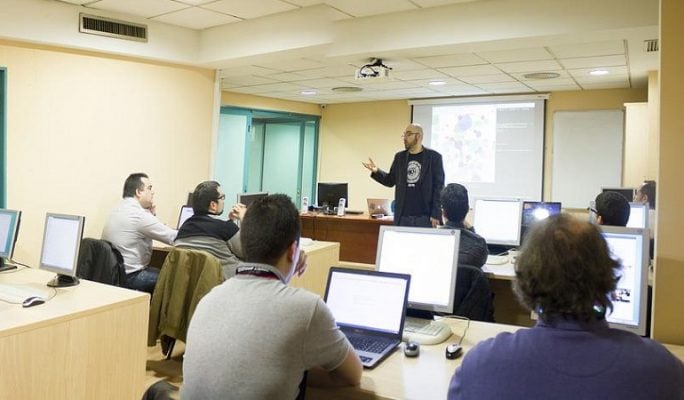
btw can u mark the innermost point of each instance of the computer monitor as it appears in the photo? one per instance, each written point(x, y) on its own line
point(249, 198)
point(625, 191)
point(61, 243)
point(185, 213)
point(430, 256)
point(630, 247)
point(638, 215)
point(330, 193)
point(188, 202)
point(498, 221)
point(535, 211)
point(9, 229)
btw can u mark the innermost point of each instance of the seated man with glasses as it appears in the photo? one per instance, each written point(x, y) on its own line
point(612, 208)
point(204, 231)
point(417, 174)
point(131, 228)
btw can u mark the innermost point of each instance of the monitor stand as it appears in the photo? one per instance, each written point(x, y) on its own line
point(421, 327)
point(63, 281)
point(6, 267)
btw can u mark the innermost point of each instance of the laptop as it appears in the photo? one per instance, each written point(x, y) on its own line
point(379, 206)
point(185, 213)
point(369, 307)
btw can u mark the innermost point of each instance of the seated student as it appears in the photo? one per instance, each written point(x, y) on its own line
point(472, 249)
point(203, 231)
point(646, 193)
point(132, 226)
point(253, 337)
point(612, 208)
point(565, 273)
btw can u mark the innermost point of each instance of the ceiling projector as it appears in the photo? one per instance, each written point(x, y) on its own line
point(374, 70)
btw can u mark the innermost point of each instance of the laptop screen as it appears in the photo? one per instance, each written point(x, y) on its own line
point(367, 299)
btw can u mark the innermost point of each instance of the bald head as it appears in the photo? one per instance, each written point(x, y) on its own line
point(413, 138)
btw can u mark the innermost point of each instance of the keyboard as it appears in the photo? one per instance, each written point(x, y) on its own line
point(425, 331)
point(18, 293)
point(368, 344)
point(496, 260)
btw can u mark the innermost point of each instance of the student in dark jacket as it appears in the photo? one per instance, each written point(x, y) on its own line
point(472, 249)
point(417, 175)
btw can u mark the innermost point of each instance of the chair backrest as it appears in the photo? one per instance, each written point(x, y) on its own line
point(99, 261)
point(186, 276)
point(473, 296)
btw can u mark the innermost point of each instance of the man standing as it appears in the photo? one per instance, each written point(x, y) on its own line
point(417, 174)
point(132, 226)
point(203, 231)
point(254, 337)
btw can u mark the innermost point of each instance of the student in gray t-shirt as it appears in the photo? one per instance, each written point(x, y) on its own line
point(253, 337)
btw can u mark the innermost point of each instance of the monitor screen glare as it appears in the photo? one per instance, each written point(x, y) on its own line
point(638, 215)
point(430, 256)
point(61, 243)
point(535, 211)
point(630, 247)
point(498, 221)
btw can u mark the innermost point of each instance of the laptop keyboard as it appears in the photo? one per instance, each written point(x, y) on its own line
point(368, 344)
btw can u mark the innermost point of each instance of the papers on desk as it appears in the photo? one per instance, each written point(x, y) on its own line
point(305, 241)
point(500, 270)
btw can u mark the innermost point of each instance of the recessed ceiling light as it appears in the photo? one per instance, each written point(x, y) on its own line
point(598, 72)
point(436, 83)
point(307, 92)
point(542, 75)
point(347, 89)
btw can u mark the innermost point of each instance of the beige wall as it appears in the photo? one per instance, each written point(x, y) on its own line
point(668, 315)
point(79, 123)
point(268, 104)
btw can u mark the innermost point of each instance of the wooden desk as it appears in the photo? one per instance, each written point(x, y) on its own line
point(507, 308)
point(357, 234)
point(87, 342)
point(424, 377)
point(320, 257)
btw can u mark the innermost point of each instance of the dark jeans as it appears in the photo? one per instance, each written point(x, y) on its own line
point(420, 221)
point(144, 280)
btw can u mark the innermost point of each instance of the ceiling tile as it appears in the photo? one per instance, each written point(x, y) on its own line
point(287, 76)
point(504, 86)
point(475, 70)
point(79, 2)
point(330, 71)
point(195, 2)
point(459, 90)
point(606, 85)
point(364, 8)
point(196, 18)
point(306, 3)
point(451, 60)
point(402, 64)
point(496, 78)
point(292, 65)
point(273, 87)
point(588, 49)
point(521, 76)
point(145, 9)
point(251, 8)
point(247, 70)
point(436, 3)
point(515, 55)
point(386, 84)
point(550, 82)
point(321, 83)
point(530, 66)
point(237, 81)
point(594, 62)
point(583, 73)
point(418, 74)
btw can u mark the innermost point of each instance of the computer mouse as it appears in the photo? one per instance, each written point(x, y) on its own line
point(411, 349)
point(454, 351)
point(33, 301)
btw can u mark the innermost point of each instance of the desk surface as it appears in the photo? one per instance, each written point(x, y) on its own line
point(87, 342)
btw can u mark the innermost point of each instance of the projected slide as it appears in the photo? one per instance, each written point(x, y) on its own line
point(468, 134)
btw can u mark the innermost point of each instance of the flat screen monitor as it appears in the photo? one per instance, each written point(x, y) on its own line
point(625, 191)
point(630, 247)
point(329, 194)
point(248, 198)
point(498, 221)
point(61, 243)
point(638, 215)
point(430, 256)
point(9, 229)
point(185, 213)
point(188, 202)
point(535, 211)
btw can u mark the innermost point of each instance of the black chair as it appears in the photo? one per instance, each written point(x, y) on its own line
point(99, 261)
point(473, 296)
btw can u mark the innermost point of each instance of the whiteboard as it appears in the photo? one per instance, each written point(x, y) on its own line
point(587, 155)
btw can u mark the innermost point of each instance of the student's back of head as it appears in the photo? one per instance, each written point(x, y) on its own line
point(612, 209)
point(454, 199)
point(204, 194)
point(270, 226)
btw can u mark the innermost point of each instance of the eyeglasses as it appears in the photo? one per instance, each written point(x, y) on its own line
point(407, 134)
point(221, 197)
point(591, 209)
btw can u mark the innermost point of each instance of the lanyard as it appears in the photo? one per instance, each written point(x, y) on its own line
point(257, 271)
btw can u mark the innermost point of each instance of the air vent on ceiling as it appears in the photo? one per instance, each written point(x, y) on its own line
point(102, 26)
point(651, 45)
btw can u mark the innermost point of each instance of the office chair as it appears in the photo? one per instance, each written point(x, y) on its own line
point(186, 276)
point(473, 296)
point(99, 261)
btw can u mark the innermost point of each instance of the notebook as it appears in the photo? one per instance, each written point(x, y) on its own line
point(369, 307)
point(379, 206)
point(185, 213)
